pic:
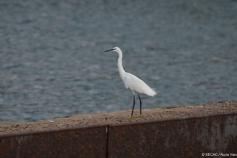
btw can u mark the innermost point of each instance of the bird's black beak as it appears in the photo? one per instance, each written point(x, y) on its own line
point(109, 50)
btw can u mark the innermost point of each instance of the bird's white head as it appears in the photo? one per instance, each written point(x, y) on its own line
point(115, 49)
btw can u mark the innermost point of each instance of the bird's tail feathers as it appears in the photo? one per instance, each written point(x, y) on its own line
point(152, 92)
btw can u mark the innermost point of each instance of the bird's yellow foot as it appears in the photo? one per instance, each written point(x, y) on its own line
point(130, 118)
point(139, 116)
point(135, 117)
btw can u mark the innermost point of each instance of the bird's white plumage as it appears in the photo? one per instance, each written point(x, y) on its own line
point(132, 82)
point(137, 85)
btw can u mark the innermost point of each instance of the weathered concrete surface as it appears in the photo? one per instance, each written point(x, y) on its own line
point(163, 132)
point(120, 118)
point(83, 143)
point(175, 138)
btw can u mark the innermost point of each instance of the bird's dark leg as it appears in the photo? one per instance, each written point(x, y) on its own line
point(133, 105)
point(140, 104)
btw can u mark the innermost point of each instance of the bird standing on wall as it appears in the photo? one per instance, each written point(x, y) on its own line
point(132, 82)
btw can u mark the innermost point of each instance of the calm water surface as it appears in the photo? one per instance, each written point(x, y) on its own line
point(52, 62)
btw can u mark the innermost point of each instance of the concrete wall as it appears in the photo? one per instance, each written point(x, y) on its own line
point(174, 132)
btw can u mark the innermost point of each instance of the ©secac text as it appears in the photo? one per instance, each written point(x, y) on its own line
point(219, 154)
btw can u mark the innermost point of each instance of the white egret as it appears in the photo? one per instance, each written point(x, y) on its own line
point(132, 82)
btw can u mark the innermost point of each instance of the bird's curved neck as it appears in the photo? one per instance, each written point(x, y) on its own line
point(120, 63)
